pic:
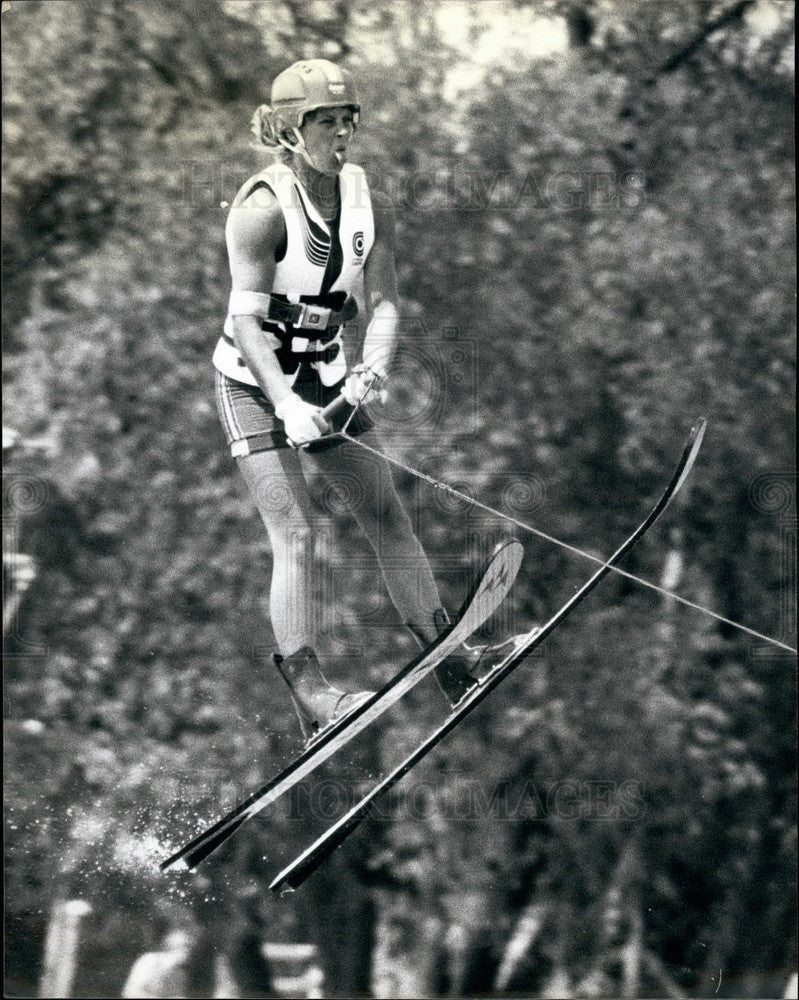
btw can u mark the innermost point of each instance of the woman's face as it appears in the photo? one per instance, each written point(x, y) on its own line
point(327, 132)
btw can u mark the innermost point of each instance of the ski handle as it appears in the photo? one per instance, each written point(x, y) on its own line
point(338, 404)
point(324, 420)
point(334, 408)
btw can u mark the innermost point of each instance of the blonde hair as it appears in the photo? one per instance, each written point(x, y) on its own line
point(263, 126)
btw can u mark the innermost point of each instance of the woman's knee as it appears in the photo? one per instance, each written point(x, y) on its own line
point(279, 492)
point(294, 539)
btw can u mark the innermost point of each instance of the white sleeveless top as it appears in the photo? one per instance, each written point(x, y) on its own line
point(319, 261)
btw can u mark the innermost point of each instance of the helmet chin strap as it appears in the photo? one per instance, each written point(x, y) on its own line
point(300, 149)
point(298, 146)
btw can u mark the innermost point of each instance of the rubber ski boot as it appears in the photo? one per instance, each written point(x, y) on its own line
point(452, 674)
point(468, 665)
point(317, 703)
point(483, 659)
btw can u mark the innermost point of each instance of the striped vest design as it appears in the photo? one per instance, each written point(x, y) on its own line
point(322, 264)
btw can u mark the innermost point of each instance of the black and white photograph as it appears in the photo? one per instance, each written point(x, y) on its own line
point(399, 499)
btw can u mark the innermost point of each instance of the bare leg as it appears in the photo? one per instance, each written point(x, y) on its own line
point(277, 486)
point(366, 483)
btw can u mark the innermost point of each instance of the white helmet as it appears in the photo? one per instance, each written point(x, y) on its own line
point(303, 87)
point(312, 84)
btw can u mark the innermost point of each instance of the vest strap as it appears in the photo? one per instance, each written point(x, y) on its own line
point(305, 316)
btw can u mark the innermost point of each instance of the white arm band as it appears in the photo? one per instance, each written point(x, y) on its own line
point(248, 304)
point(381, 336)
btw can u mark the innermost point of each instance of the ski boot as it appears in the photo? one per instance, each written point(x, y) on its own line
point(468, 666)
point(317, 703)
point(452, 674)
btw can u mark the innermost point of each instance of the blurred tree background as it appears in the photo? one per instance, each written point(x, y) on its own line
point(595, 206)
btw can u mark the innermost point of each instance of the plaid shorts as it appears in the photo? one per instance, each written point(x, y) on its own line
point(249, 420)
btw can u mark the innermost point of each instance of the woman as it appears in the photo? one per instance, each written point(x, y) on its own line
point(300, 234)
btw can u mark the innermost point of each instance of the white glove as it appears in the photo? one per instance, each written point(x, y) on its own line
point(364, 383)
point(302, 421)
